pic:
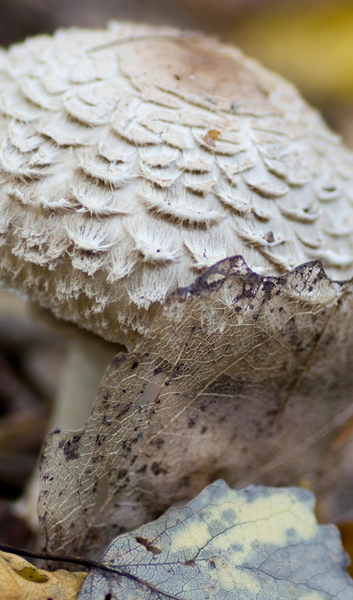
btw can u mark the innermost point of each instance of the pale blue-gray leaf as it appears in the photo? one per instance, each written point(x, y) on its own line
point(259, 543)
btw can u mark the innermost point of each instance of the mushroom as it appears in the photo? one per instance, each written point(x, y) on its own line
point(134, 158)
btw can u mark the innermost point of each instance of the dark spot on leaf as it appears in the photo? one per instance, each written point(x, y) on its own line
point(268, 287)
point(142, 469)
point(211, 563)
point(119, 359)
point(134, 364)
point(126, 447)
point(157, 469)
point(158, 443)
point(96, 459)
point(108, 596)
point(125, 410)
point(203, 430)
point(191, 423)
point(148, 546)
point(190, 562)
point(71, 447)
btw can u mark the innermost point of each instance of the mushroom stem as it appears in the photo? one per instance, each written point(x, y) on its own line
point(87, 359)
point(86, 363)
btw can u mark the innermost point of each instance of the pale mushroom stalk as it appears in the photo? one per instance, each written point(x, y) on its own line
point(133, 158)
point(86, 361)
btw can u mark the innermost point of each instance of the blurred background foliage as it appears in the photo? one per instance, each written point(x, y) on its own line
point(310, 42)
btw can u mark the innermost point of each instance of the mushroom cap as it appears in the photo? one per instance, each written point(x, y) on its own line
point(135, 157)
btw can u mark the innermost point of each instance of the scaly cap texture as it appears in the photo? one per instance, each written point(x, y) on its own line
point(133, 158)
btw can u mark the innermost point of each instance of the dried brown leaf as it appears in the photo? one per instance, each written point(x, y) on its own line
point(241, 376)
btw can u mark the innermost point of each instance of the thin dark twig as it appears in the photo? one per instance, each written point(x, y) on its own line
point(85, 562)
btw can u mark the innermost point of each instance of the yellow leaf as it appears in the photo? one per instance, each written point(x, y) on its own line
point(32, 574)
point(19, 580)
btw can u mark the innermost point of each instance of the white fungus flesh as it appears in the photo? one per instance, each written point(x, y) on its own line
point(135, 157)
